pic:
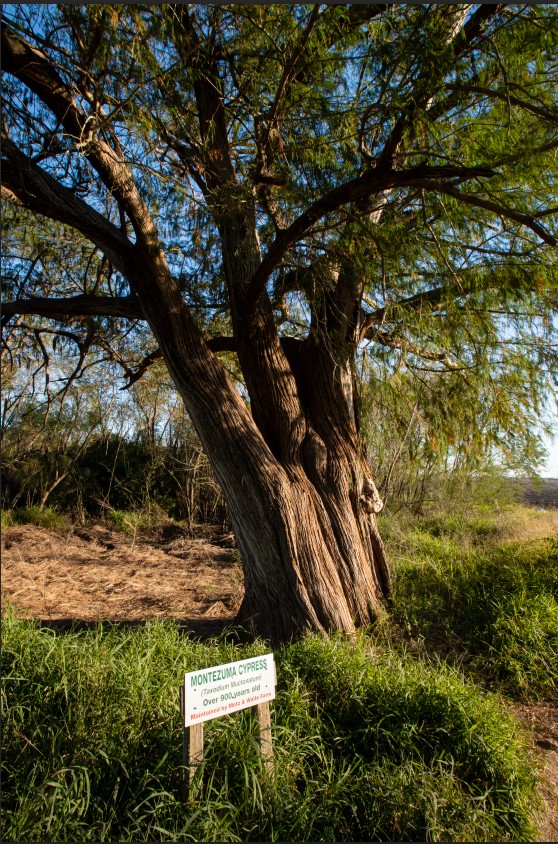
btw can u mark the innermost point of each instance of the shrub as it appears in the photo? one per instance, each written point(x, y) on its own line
point(7, 519)
point(45, 518)
point(131, 522)
point(125, 520)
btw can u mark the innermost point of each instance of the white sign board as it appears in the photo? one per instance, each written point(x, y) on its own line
point(212, 692)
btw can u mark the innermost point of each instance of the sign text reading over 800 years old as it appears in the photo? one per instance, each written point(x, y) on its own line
point(216, 691)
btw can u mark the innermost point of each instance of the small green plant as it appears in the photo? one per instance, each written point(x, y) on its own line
point(7, 519)
point(123, 520)
point(45, 518)
point(131, 522)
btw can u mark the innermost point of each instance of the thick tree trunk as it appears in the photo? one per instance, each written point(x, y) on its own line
point(312, 556)
point(303, 516)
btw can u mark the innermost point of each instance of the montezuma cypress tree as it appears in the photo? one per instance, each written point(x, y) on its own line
point(287, 185)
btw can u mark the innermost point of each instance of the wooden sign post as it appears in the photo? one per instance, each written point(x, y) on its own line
point(266, 746)
point(221, 690)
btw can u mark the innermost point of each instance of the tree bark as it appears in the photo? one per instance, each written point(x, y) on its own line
point(312, 557)
point(298, 491)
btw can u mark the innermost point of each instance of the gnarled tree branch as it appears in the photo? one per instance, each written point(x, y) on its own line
point(503, 211)
point(372, 182)
point(32, 67)
point(75, 306)
point(37, 190)
point(506, 95)
point(395, 341)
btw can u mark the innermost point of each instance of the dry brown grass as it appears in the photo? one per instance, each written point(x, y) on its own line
point(542, 719)
point(95, 574)
point(523, 524)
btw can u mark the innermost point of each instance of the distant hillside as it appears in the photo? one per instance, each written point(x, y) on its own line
point(543, 493)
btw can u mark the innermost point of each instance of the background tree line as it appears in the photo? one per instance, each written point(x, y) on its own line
point(93, 447)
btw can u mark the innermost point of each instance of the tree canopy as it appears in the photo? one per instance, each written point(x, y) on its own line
point(309, 99)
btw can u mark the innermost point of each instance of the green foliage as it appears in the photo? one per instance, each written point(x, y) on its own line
point(7, 519)
point(126, 521)
point(488, 605)
point(130, 522)
point(41, 517)
point(448, 435)
point(368, 745)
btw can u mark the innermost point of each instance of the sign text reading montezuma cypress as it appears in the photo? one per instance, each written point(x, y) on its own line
point(211, 692)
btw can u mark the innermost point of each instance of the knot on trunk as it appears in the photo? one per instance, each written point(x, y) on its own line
point(370, 497)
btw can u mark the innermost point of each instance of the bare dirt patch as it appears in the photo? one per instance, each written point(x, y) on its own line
point(93, 574)
point(542, 720)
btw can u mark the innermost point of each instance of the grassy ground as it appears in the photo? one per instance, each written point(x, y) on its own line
point(124, 520)
point(482, 592)
point(392, 736)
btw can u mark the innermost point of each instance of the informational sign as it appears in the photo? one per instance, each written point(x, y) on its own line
point(212, 692)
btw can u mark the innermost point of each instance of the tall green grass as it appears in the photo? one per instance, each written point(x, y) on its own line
point(45, 518)
point(485, 603)
point(369, 745)
point(130, 521)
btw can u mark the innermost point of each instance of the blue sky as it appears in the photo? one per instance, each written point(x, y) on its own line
point(551, 468)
